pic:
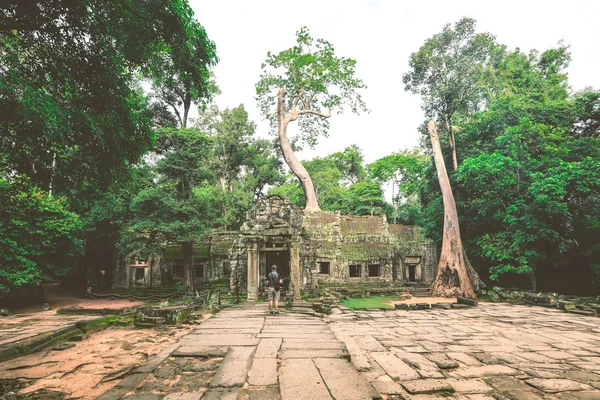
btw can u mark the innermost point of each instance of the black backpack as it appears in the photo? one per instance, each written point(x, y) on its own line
point(273, 279)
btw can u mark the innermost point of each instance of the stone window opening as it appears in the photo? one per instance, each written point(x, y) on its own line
point(324, 267)
point(199, 270)
point(354, 270)
point(226, 268)
point(374, 270)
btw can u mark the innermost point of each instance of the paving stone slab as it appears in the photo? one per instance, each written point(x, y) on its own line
point(557, 385)
point(343, 381)
point(262, 393)
point(286, 354)
point(263, 372)
point(155, 361)
point(234, 368)
point(469, 386)
point(300, 380)
point(268, 348)
point(385, 385)
point(132, 381)
point(223, 394)
point(200, 351)
point(427, 386)
point(312, 346)
point(485, 370)
point(394, 367)
point(513, 388)
point(113, 394)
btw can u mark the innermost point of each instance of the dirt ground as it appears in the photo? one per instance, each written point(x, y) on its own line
point(92, 366)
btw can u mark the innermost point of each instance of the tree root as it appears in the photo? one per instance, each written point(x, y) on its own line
point(74, 369)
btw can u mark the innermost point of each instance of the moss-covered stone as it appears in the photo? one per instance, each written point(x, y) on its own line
point(93, 325)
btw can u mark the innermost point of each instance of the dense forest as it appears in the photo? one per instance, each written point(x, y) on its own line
point(99, 155)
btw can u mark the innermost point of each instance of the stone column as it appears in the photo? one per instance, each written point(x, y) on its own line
point(252, 272)
point(295, 272)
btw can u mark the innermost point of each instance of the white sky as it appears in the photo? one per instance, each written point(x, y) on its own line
point(380, 35)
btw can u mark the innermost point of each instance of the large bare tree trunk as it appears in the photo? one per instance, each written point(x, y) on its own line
point(452, 276)
point(291, 159)
point(189, 272)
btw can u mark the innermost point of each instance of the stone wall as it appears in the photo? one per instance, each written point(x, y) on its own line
point(324, 247)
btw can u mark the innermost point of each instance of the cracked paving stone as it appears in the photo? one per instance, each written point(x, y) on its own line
point(556, 385)
point(427, 386)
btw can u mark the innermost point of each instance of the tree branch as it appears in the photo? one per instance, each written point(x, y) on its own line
point(314, 112)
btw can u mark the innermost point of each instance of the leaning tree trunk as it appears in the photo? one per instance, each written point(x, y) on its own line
point(189, 273)
point(452, 276)
point(291, 159)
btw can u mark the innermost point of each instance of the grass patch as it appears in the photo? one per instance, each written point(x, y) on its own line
point(370, 302)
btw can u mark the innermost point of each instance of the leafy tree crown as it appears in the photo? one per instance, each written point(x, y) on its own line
point(317, 82)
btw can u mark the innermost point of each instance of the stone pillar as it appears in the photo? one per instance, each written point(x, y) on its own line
point(295, 272)
point(155, 262)
point(252, 272)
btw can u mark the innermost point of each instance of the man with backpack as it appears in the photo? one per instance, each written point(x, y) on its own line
point(274, 283)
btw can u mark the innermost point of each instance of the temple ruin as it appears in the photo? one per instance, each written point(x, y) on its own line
point(309, 248)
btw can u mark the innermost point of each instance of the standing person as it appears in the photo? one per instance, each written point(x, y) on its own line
point(274, 281)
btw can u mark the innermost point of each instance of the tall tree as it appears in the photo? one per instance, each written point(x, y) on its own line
point(455, 275)
point(180, 206)
point(67, 78)
point(77, 119)
point(446, 72)
point(243, 165)
point(38, 235)
point(404, 170)
point(300, 84)
point(529, 180)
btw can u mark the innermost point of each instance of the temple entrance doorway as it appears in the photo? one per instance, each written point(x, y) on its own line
point(412, 273)
point(274, 254)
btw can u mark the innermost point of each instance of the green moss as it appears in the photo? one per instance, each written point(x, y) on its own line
point(355, 303)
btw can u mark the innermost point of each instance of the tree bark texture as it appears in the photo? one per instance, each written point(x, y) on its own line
point(452, 277)
point(290, 158)
point(189, 273)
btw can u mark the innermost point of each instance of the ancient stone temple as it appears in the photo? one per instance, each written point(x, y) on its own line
point(310, 248)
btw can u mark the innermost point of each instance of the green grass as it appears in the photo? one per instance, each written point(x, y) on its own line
point(370, 302)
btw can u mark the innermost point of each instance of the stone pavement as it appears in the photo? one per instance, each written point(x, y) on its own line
point(494, 351)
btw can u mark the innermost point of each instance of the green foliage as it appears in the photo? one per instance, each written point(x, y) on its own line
point(68, 82)
point(181, 206)
point(243, 165)
point(527, 189)
point(446, 70)
point(363, 198)
point(405, 170)
point(77, 119)
point(38, 235)
point(316, 80)
point(370, 302)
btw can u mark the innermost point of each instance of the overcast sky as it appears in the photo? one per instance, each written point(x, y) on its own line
point(380, 35)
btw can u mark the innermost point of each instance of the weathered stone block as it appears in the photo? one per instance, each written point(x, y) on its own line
point(566, 305)
point(467, 301)
point(93, 325)
point(8, 353)
point(459, 306)
point(588, 313)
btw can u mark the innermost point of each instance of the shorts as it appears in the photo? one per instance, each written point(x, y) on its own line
point(273, 294)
